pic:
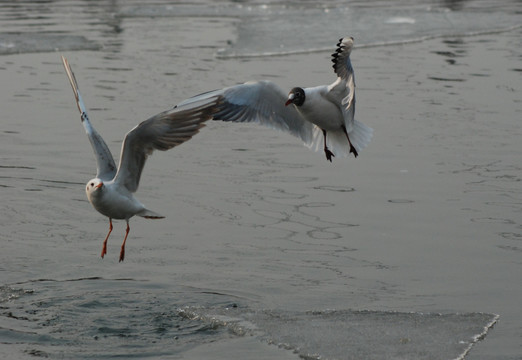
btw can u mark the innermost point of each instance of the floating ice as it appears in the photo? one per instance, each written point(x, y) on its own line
point(349, 334)
point(400, 20)
point(37, 42)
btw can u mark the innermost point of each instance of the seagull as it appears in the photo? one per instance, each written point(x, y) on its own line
point(111, 191)
point(321, 116)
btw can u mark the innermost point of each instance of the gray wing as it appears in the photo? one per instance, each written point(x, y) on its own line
point(260, 102)
point(106, 168)
point(160, 132)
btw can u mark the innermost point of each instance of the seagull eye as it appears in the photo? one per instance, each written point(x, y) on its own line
point(92, 184)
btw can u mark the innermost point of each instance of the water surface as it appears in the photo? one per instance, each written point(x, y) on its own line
point(268, 250)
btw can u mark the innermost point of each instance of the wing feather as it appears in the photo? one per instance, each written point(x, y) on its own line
point(343, 88)
point(106, 168)
point(261, 102)
point(161, 132)
point(341, 58)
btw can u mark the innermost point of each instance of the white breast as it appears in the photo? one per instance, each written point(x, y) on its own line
point(320, 111)
point(116, 203)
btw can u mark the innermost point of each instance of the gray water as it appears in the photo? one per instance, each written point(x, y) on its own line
point(410, 251)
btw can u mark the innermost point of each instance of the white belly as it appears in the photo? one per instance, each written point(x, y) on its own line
point(115, 205)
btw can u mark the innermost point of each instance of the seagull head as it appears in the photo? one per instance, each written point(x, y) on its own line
point(296, 96)
point(94, 186)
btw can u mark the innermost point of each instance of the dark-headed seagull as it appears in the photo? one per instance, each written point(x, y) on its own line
point(322, 116)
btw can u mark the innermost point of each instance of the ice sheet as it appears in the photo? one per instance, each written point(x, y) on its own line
point(354, 334)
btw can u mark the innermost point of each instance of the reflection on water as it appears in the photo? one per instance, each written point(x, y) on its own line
point(454, 5)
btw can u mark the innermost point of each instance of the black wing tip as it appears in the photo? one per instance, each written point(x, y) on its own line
point(341, 48)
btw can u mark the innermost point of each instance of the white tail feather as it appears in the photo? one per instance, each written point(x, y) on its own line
point(360, 136)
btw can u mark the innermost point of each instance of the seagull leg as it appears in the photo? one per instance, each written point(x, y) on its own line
point(352, 148)
point(104, 249)
point(122, 251)
point(327, 151)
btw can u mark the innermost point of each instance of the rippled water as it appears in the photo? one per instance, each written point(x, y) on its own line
point(268, 251)
point(262, 28)
point(46, 318)
point(49, 319)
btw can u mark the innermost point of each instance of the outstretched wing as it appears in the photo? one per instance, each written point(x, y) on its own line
point(261, 102)
point(106, 168)
point(343, 89)
point(344, 86)
point(341, 58)
point(160, 132)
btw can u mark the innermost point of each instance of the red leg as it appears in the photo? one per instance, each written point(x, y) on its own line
point(104, 249)
point(352, 148)
point(122, 251)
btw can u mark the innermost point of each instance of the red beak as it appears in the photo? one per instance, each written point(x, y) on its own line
point(99, 185)
point(288, 102)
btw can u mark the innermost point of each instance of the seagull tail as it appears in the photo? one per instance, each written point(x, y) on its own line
point(361, 135)
point(148, 214)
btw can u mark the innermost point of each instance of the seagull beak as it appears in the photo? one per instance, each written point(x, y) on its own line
point(99, 185)
point(290, 99)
